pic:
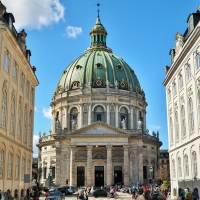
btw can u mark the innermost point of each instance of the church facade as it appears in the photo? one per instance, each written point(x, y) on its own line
point(98, 135)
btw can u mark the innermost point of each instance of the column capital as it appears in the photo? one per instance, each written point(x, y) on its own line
point(125, 147)
point(108, 146)
point(89, 147)
point(73, 147)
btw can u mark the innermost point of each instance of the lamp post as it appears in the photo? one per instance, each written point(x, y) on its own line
point(150, 176)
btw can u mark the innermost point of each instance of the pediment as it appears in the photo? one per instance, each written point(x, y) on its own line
point(99, 128)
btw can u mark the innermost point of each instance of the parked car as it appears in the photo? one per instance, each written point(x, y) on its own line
point(55, 195)
point(63, 189)
point(52, 189)
point(70, 189)
point(100, 193)
point(5, 196)
point(157, 195)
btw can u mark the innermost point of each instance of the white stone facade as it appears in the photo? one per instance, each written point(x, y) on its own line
point(183, 112)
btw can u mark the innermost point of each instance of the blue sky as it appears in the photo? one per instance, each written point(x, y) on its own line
point(140, 31)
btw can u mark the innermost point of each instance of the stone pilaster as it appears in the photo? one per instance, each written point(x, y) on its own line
point(108, 114)
point(126, 166)
point(117, 116)
point(81, 116)
point(72, 166)
point(89, 114)
point(53, 122)
point(65, 121)
point(89, 165)
point(109, 170)
point(131, 117)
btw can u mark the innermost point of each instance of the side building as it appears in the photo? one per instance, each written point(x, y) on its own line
point(182, 84)
point(17, 93)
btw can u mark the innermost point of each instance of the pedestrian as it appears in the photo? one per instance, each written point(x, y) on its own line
point(195, 194)
point(85, 193)
point(183, 194)
point(189, 195)
point(36, 194)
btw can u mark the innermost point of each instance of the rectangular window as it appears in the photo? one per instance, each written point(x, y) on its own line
point(45, 173)
point(145, 172)
point(188, 73)
point(6, 61)
point(28, 167)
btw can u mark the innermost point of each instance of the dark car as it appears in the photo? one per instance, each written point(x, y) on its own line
point(5, 196)
point(63, 189)
point(100, 193)
point(70, 189)
point(55, 196)
point(157, 195)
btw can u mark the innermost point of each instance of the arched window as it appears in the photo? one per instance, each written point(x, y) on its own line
point(194, 159)
point(17, 167)
point(30, 129)
point(198, 61)
point(12, 116)
point(3, 109)
point(177, 127)
point(124, 116)
point(191, 115)
point(19, 121)
point(14, 73)
point(188, 73)
point(10, 163)
point(25, 125)
point(179, 168)
point(1, 163)
point(173, 169)
point(183, 121)
point(6, 60)
point(186, 165)
point(171, 131)
point(99, 113)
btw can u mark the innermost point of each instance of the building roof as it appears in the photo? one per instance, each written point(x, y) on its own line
point(98, 66)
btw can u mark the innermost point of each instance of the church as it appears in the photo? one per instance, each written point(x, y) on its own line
point(99, 135)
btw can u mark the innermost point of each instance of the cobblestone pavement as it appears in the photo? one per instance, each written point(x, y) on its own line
point(122, 196)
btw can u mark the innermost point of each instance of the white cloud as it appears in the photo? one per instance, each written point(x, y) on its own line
point(35, 149)
point(34, 14)
point(47, 113)
point(72, 31)
point(156, 127)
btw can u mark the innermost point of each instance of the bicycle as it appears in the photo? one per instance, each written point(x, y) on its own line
point(115, 195)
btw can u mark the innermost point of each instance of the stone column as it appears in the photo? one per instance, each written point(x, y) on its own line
point(116, 116)
point(89, 114)
point(72, 166)
point(53, 122)
point(109, 170)
point(140, 166)
point(126, 166)
point(108, 114)
point(65, 121)
point(144, 121)
point(81, 116)
point(89, 165)
point(58, 167)
point(131, 117)
point(131, 169)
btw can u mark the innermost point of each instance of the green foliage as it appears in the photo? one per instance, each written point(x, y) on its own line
point(166, 183)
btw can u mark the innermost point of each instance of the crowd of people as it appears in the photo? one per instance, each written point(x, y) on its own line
point(186, 194)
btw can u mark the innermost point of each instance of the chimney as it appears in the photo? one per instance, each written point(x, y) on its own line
point(21, 37)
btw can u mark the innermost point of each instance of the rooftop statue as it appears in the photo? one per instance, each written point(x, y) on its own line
point(139, 124)
point(123, 122)
point(74, 123)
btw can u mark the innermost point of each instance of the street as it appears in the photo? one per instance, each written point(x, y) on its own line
point(123, 196)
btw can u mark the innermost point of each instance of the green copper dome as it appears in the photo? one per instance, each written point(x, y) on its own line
point(98, 67)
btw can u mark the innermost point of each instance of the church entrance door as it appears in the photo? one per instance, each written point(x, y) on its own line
point(80, 176)
point(99, 175)
point(118, 174)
